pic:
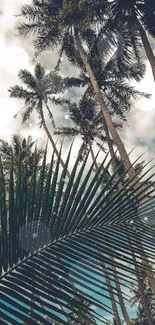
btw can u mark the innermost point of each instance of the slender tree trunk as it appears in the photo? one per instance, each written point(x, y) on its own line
point(126, 161)
point(112, 153)
point(113, 302)
point(113, 158)
point(120, 297)
point(111, 293)
point(51, 140)
point(93, 156)
point(147, 47)
point(50, 115)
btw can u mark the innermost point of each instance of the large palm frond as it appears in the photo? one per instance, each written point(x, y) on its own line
point(49, 243)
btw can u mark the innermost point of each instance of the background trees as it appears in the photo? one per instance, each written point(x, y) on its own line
point(66, 27)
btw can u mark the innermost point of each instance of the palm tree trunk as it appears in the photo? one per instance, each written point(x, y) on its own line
point(50, 115)
point(147, 47)
point(112, 153)
point(113, 159)
point(51, 140)
point(111, 293)
point(126, 161)
point(93, 156)
point(120, 297)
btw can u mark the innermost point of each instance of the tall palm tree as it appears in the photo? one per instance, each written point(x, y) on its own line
point(49, 233)
point(64, 25)
point(140, 19)
point(38, 92)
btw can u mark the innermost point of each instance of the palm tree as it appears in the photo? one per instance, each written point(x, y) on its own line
point(38, 91)
point(25, 147)
point(87, 123)
point(139, 17)
point(49, 233)
point(66, 25)
point(115, 89)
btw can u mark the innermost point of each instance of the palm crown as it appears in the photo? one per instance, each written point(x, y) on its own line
point(87, 123)
point(39, 90)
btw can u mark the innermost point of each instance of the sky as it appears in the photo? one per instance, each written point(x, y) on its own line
point(16, 53)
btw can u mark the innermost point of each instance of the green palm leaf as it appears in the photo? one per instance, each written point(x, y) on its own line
point(50, 244)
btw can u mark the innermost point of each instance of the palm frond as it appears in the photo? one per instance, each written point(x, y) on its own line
point(19, 92)
point(27, 78)
point(66, 131)
point(49, 248)
point(39, 72)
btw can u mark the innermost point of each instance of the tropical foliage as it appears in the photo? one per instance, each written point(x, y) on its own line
point(50, 244)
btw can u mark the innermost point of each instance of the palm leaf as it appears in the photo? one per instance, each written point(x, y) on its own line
point(27, 78)
point(49, 245)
